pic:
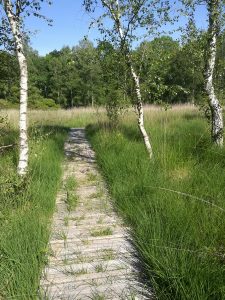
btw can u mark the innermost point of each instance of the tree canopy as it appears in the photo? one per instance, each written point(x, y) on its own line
point(85, 74)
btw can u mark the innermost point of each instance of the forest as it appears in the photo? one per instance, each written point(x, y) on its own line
point(171, 72)
point(112, 151)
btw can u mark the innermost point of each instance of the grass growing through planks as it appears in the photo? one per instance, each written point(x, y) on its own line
point(70, 184)
point(71, 197)
point(102, 232)
point(71, 201)
point(174, 205)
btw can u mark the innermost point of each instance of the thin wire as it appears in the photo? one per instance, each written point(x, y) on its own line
point(187, 195)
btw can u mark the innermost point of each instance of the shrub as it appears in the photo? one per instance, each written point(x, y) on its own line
point(42, 103)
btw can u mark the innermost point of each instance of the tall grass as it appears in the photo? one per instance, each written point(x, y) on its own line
point(79, 117)
point(174, 204)
point(26, 206)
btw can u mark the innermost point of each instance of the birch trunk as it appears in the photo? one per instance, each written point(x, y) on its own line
point(215, 107)
point(139, 106)
point(15, 27)
point(140, 112)
point(23, 157)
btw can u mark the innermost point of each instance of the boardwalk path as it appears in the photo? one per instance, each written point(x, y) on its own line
point(90, 256)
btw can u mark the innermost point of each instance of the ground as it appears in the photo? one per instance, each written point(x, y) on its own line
point(174, 206)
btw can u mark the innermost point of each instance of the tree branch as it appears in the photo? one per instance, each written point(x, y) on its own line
point(2, 148)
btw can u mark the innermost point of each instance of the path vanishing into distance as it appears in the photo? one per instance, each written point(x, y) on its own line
point(90, 254)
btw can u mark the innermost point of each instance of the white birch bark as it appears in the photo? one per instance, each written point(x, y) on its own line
point(139, 105)
point(15, 27)
point(215, 107)
point(140, 111)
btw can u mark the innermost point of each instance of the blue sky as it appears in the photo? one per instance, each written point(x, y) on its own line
point(70, 24)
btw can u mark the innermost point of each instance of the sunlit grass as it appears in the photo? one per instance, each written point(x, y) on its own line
point(26, 211)
point(173, 204)
point(26, 206)
point(78, 117)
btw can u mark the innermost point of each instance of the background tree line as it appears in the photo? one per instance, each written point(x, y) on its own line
point(84, 75)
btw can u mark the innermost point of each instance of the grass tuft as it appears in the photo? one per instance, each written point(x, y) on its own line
point(70, 184)
point(71, 197)
point(102, 232)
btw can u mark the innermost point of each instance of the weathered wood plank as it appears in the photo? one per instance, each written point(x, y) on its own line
point(90, 252)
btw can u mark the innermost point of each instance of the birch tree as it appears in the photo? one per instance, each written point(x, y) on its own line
point(15, 11)
point(128, 18)
point(215, 10)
